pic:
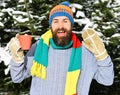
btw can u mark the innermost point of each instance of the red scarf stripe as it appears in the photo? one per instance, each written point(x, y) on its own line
point(75, 39)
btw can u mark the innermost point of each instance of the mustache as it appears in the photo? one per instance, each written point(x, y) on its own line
point(61, 29)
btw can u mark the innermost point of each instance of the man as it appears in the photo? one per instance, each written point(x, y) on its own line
point(59, 63)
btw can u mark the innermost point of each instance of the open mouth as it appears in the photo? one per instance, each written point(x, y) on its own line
point(61, 33)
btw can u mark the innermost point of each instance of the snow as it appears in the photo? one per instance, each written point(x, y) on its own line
point(117, 14)
point(8, 10)
point(80, 14)
point(106, 27)
point(20, 19)
point(30, 1)
point(116, 35)
point(84, 21)
point(1, 14)
point(78, 6)
point(75, 6)
point(2, 4)
point(118, 1)
point(5, 57)
point(19, 13)
point(96, 18)
point(20, 1)
point(1, 24)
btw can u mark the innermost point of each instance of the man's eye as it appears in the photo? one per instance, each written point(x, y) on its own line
point(55, 22)
point(65, 21)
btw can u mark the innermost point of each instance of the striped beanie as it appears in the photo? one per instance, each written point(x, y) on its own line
point(62, 9)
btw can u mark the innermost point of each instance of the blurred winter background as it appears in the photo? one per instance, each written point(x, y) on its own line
point(31, 16)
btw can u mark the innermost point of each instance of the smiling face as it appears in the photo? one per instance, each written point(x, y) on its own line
point(61, 29)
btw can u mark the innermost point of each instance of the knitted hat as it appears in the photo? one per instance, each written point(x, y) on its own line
point(62, 9)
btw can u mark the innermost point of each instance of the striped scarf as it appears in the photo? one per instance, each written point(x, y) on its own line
point(40, 62)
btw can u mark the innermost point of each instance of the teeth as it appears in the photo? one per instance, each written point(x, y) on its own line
point(61, 31)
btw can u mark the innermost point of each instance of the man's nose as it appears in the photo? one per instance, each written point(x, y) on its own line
point(60, 25)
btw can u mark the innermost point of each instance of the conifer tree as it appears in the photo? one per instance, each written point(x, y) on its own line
point(103, 15)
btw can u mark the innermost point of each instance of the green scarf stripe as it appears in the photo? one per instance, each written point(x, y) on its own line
point(44, 58)
point(75, 59)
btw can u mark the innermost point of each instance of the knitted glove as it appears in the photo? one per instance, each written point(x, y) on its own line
point(17, 53)
point(93, 43)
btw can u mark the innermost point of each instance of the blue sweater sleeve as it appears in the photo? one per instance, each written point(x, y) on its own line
point(21, 71)
point(105, 73)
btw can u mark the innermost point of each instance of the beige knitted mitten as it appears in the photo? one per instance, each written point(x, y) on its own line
point(94, 43)
point(17, 53)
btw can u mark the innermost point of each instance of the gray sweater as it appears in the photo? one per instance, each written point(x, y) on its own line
point(58, 61)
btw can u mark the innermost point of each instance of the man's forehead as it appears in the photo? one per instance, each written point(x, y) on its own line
point(61, 17)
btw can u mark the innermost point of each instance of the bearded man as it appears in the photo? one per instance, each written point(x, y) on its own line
point(59, 63)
